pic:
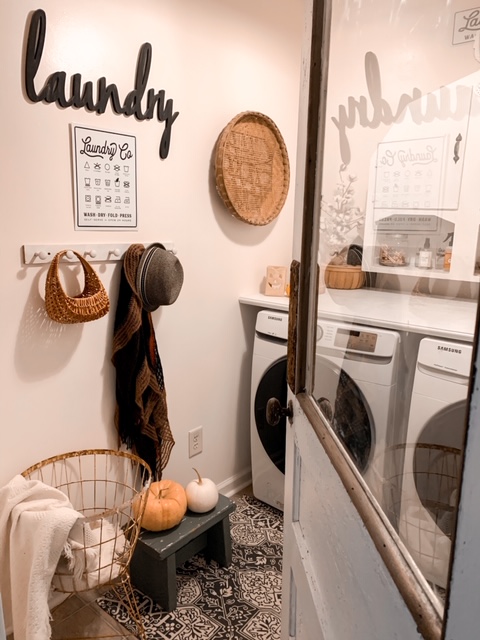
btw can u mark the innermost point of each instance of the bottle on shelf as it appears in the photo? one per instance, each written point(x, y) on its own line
point(423, 257)
point(448, 252)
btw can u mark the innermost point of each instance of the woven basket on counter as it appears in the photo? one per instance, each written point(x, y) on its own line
point(252, 170)
point(344, 276)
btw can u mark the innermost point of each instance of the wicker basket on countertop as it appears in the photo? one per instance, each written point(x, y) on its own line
point(344, 276)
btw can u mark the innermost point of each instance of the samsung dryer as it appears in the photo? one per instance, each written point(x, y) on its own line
point(269, 380)
point(433, 454)
point(356, 382)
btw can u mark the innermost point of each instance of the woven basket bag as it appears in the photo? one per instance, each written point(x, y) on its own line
point(91, 304)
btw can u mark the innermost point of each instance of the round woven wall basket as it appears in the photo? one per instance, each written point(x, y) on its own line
point(252, 170)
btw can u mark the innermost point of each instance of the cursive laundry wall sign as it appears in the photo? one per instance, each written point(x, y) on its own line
point(83, 95)
point(373, 109)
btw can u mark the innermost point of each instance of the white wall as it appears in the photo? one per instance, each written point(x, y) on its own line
point(214, 59)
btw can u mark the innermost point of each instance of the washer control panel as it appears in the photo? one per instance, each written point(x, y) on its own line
point(357, 339)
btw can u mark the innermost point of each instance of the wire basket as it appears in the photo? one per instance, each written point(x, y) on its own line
point(421, 494)
point(105, 486)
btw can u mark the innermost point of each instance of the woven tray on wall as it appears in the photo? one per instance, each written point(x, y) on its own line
point(252, 170)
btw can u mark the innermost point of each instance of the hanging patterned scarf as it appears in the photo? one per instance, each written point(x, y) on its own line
point(141, 416)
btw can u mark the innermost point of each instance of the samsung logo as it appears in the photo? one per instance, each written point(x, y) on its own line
point(275, 318)
point(450, 349)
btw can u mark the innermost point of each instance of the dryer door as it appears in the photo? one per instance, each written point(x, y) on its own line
point(431, 481)
point(437, 464)
point(346, 409)
point(272, 385)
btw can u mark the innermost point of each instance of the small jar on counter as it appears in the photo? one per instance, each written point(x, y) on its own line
point(394, 251)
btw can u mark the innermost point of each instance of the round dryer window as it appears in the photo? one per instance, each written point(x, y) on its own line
point(346, 409)
point(272, 385)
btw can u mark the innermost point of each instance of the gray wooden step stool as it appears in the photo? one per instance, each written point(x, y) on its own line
point(153, 567)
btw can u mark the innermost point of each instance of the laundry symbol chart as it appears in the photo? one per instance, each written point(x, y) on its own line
point(105, 178)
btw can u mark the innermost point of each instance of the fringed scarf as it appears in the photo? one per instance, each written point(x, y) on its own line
point(141, 416)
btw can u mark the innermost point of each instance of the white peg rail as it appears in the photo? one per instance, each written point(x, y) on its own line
point(37, 254)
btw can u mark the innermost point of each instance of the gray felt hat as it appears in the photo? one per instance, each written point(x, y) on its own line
point(159, 277)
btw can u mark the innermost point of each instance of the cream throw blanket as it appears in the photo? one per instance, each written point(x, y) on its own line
point(35, 521)
point(91, 556)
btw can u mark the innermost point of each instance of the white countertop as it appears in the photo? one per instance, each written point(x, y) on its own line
point(428, 315)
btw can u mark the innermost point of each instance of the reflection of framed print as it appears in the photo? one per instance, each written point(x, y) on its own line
point(276, 281)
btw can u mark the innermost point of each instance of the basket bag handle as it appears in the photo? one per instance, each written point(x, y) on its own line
point(92, 304)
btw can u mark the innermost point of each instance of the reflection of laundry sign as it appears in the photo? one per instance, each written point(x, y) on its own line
point(126, 168)
point(107, 167)
point(118, 199)
point(116, 167)
point(126, 184)
point(87, 182)
point(127, 200)
point(98, 199)
point(108, 198)
point(107, 183)
point(86, 165)
point(96, 165)
point(97, 181)
point(88, 198)
point(117, 182)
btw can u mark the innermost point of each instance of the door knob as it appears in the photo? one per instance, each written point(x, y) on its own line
point(275, 412)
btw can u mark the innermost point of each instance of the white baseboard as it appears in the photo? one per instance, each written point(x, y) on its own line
point(236, 483)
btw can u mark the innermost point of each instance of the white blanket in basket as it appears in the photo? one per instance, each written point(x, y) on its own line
point(91, 556)
point(35, 522)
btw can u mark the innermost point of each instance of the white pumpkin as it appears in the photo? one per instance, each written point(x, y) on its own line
point(202, 494)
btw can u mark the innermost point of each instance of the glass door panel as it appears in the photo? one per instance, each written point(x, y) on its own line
point(399, 219)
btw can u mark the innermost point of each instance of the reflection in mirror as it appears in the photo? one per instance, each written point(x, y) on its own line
point(399, 258)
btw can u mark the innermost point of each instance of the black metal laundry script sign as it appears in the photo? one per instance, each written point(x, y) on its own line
point(82, 95)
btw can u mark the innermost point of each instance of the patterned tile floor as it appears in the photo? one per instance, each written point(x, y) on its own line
point(80, 616)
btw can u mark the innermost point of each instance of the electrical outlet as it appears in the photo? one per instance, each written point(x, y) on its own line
point(195, 442)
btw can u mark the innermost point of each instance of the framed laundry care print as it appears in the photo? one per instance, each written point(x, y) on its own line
point(105, 179)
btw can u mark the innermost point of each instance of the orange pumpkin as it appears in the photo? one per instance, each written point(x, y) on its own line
point(166, 505)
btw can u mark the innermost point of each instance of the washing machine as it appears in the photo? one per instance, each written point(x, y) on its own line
point(433, 454)
point(356, 384)
point(356, 374)
point(269, 380)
